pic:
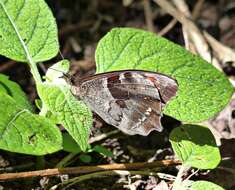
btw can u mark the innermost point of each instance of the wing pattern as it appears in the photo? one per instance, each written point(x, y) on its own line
point(130, 100)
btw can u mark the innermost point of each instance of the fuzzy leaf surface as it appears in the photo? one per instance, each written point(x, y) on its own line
point(24, 132)
point(27, 30)
point(195, 146)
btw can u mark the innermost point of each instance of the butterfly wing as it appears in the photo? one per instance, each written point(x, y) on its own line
point(129, 100)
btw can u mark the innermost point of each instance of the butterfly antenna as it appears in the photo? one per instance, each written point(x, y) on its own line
point(64, 74)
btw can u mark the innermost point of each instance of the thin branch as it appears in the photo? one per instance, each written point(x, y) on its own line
point(17, 168)
point(189, 45)
point(76, 180)
point(230, 170)
point(148, 15)
point(194, 32)
point(87, 169)
point(168, 27)
point(66, 159)
point(7, 65)
point(197, 9)
point(225, 54)
point(103, 136)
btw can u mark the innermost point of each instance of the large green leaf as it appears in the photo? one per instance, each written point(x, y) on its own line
point(195, 146)
point(71, 113)
point(27, 30)
point(13, 89)
point(24, 132)
point(203, 90)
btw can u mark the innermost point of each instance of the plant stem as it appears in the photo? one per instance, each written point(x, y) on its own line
point(40, 164)
point(65, 160)
point(177, 185)
point(44, 109)
point(35, 73)
point(75, 180)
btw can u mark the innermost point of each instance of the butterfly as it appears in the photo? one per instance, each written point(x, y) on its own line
point(131, 100)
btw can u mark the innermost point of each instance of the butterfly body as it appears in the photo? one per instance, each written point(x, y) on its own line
point(131, 100)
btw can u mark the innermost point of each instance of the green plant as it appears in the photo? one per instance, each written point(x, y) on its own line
point(31, 37)
point(195, 146)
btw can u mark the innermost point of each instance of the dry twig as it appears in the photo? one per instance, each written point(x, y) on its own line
point(168, 27)
point(7, 65)
point(197, 9)
point(87, 169)
point(148, 15)
point(75, 180)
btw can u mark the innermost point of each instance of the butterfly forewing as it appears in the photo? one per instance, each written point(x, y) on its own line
point(130, 100)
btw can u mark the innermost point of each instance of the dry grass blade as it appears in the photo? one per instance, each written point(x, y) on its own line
point(148, 15)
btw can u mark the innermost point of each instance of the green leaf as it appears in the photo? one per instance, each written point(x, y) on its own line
point(203, 90)
point(195, 146)
point(28, 30)
point(102, 150)
point(13, 89)
point(24, 132)
point(202, 185)
point(71, 113)
point(85, 158)
point(69, 144)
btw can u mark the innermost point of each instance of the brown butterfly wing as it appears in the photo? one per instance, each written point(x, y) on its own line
point(129, 100)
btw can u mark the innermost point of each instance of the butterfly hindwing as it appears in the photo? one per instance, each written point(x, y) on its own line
point(129, 100)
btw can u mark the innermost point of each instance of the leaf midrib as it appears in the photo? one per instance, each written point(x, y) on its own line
point(28, 57)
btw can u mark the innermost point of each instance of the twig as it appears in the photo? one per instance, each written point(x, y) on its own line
point(148, 15)
point(230, 170)
point(7, 65)
point(197, 9)
point(103, 136)
point(193, 31)
point(65, 160)
point(74, 27)
point(17, 168)
point(189, 45)
point(105, 173)
point(191, 175)
point(225, 54)
point(168, 27)
point(87, 169)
